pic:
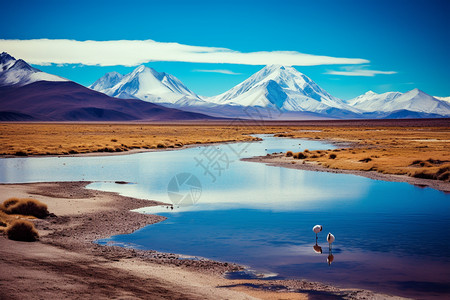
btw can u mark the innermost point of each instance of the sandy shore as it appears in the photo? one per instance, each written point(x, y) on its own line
point(65, 263)
point(280, 160)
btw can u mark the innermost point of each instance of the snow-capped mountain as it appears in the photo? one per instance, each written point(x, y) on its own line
point(108, 80)
point(146, 84)
point(445, 99)
point(284, 88)
point(414, 100)
point(275, 87)
point(372, 101)
point(18, 73)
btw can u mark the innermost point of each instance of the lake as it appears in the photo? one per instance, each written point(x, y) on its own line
point(390, 236)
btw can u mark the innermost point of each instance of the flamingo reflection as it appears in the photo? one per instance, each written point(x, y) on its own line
point(317, 249)
point(330, 257)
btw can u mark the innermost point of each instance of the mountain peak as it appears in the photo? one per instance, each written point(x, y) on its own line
point(416, 92)
point(283, 87)
point(278, 68)
point(146, 84)
point(140, 69)
point(414, 100)
point(113, 74)
point(4, 57)
point(275, 67)
point(6, 61)
point(19, 73)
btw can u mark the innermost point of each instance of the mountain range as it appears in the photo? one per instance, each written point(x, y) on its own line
point(28, 94)
point(275, 92)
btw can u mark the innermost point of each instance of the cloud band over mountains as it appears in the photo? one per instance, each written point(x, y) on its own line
point(135, 52)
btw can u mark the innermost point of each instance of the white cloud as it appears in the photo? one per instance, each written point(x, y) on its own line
point(358, 71)
point(135, 52)
point(221, 71)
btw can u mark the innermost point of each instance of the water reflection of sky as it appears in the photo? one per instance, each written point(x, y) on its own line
point(388, 234)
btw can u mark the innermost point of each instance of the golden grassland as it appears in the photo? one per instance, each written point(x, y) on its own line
point(421, 152)
point(56, 139)
point(418, 151)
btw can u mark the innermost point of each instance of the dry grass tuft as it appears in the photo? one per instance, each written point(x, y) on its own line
point(289, 154)
point(332, 156)
point(302, 155)
point(365, 160)
point(22, 230)
point(26, 206)
point(9, 202)
point(431, 173)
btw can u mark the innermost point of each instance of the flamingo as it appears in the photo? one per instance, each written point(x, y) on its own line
point(330, 239)
point(317, 229)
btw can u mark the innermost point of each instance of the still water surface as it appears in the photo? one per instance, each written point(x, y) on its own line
point(391, 237)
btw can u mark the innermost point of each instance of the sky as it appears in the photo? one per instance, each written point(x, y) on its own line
point(347, 47)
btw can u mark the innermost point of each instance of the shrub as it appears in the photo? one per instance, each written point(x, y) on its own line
point(160, 145)
point(444, 176)
point(422, 174)
point(421, 163)
point(435, 161)
point(332, 156)
point(443, 173)
point(289, 154)
point(367, 159)
point(283, 135)
point(301, 155)
point(11, 201)
point(22, 230)
point(27, 207)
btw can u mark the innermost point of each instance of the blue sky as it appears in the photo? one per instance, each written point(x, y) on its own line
point(408, 40)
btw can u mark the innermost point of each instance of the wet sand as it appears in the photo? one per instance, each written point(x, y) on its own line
point(65, 263)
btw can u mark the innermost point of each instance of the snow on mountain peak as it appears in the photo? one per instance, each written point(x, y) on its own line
point(414, 100)
point(146, 84)
point(283, 87)
point(6, 61)
point(445, 99)
point(109, 79)
point(140, 69)
point(19, 73)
